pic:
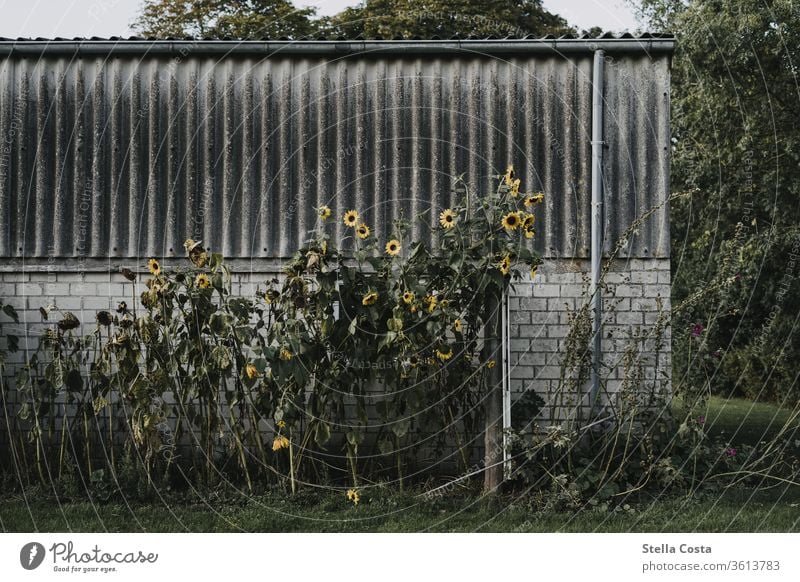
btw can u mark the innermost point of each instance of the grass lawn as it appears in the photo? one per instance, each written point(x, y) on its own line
point(381, 510)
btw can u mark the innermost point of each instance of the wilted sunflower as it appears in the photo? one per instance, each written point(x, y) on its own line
point(351, 218)
point(393, 247)
point(458, 325)
point(324, 212)
point(533, 272)
point(444, 356)
point(251, 371)
point(447, 218)
point(408, 297)
point(280, 442)
point(69, 322)
point(362, 230)
point(369, 298)
point(104, 318)
point(154, 267)
point(515, 187)
point(197, 254)
point(202, 281)
point(505, 265)
point(511, 221)
point(509, 175)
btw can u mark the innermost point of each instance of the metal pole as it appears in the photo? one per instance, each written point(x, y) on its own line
point(506, 386)
point(597, 224)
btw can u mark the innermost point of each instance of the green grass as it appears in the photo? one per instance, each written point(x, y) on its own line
point(382, 510)
point(378, 512)
point(743, 421)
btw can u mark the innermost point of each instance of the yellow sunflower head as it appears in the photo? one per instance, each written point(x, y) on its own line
point(511, 221)
point(154, 266)
point(408, 297)
point(444, 355)
point(393, 247)
point(458, 325)
point(515, 187)
point(509, 177)
point(533, 272)
point(505, 265)
point(280, 442)
point(532, 200)
point(324, 212)
point(202, 281)
point(285, 355)
point(251, 371)
point(491, 364)
point(369, 298)
point(431, 301)
point(354, 496)
point(447, 218)
point(351, 218)
point(362, 230)
point(529, 233)
point(528, 221)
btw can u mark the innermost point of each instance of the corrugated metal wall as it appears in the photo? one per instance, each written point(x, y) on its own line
point(126, 155)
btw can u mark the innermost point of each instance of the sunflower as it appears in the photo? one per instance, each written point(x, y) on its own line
point(285, 355)
point(362, 230)
point(444, 356)
point(202, 281)
point(393, 247)
point(458, 325)
point(529, 233)
point(431, 301)
point(324, 212)
point(408, 297)
point(528, 221)
point(351, 218)
point(534, 199)
point(353, 495)
point(515, 187)
point(154, 266)
point(281, 424)
point(533, 272)
point(511, 221)
point(447, 218)
point(509, 175)
point(369, 298)
point(280, 442)
point(505, 265)
point(250, 371)
point(490, 364)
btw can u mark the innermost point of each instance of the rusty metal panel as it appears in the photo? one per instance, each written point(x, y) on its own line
point(125, 156)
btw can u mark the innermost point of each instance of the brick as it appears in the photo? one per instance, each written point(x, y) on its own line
point(546, 290)
point(83, 289)
point(69, 303)
point(532, 331)
point(560, 304)
point(557, 330)
point(629, 318)
point(110, 289)
point(56, 289)
point(628, 291)
point(657, 290)
point(96, 303)
point(647, 277)
point(533, 304)
point(664, 277)
point(25, 289)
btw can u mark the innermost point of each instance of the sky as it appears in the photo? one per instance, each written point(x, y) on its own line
point(69, 18)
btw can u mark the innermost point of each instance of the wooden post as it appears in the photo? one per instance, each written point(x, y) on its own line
point(493, 408)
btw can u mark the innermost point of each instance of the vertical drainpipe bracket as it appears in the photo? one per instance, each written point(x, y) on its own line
point(595, 293)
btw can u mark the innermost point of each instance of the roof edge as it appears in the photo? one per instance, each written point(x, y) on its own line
point(185, 48)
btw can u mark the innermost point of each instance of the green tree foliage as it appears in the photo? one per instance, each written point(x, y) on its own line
point(445, 19)
point(736, 149)
point(224, 18)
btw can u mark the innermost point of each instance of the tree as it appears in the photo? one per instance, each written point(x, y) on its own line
point(736, 148)
point(445, 19)
point(225, 18)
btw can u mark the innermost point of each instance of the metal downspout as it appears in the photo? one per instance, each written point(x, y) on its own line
point(595, 291)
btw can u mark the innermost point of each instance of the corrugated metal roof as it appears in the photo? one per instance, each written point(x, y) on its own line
point(127, 156)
